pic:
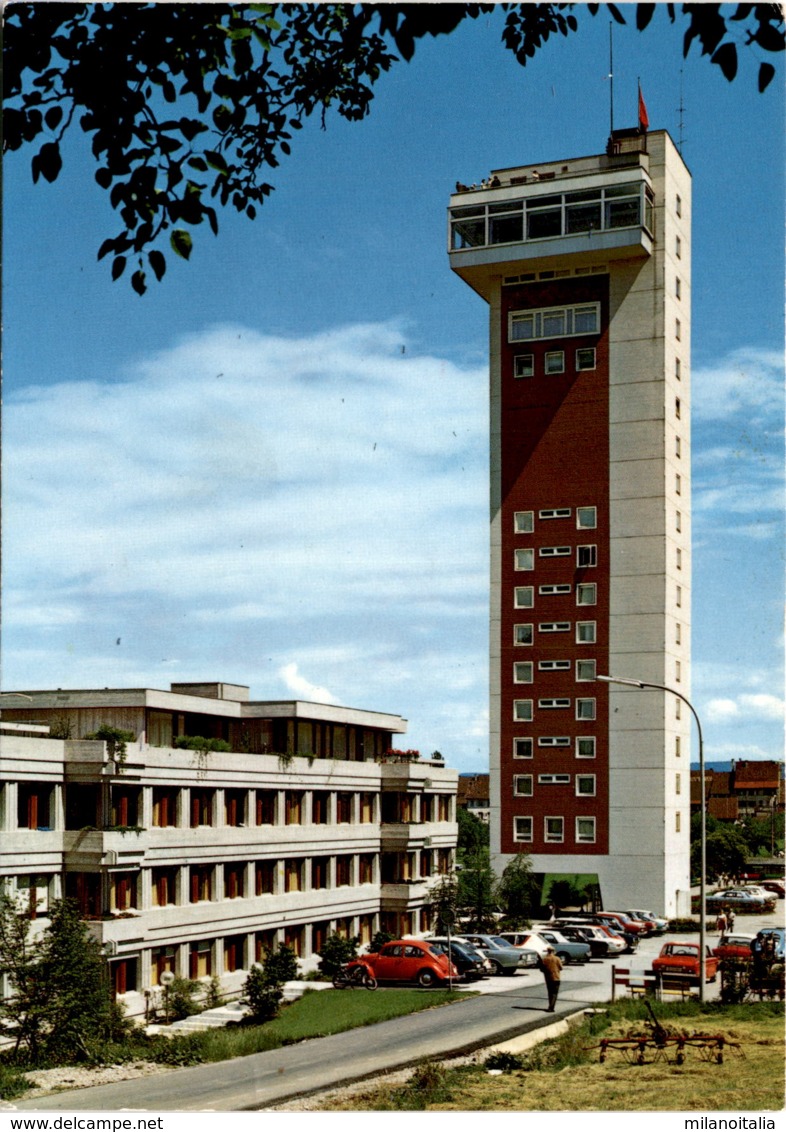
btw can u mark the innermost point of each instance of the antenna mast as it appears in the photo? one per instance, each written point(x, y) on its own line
point(681, 109)
point(611, 76)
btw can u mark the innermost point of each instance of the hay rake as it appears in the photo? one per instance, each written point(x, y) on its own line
point(661, 1042)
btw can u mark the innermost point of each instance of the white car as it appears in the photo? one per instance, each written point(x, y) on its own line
point(615, 944)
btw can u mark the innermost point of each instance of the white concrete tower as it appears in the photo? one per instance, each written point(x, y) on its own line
point(585, 264)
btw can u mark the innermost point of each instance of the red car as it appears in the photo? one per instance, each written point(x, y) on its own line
point(734, 945)
point(774, 886)
point(683, 959)
point(409, 961)
point(628, 924)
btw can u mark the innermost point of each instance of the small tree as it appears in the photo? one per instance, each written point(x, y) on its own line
point(379, 939)
point(444, 904)
point(517, 890)
point(263, 997)
point(281, 965)
point(115, 739)
point(24, 1010)
point(337, 951)
point(182, 998)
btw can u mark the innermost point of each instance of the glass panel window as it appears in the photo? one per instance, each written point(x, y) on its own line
point(522, 710)
point(582, 216)
point(522, 748)
point(554, 665)
point(585, 747)
point(586, 556)
point(555, 361)
point(585, 669)
point(586, 319)
point(585, 709)
point(553, 324)
point(524, 559)
point(555, 513)
point(586, 632)
point(506, 229)
point(585, 358)
point(554, 779)
point(554, 627)
point(522, 634)
point(586, 518)
point(522, 672)
point(585, 829)
point(585, 785)
point(586, 593)
point(562, 588)
point(524, 365)
point(554, 741)
point(554, 552)
point(522, 785)
point(544, 223)
point(554, 829)
point(523, 522)
point(523, 597)
point(554, 702)
point(522, 829)
point(522, 327)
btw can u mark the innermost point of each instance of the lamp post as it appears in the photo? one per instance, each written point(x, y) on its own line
point(703, 865)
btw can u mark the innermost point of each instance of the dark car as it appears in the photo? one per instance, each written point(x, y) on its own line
point(734, 945)
point(774, 886)
point(469, 963)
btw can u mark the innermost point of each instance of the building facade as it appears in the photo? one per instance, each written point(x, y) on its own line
point(199, 862)
point(585, 264)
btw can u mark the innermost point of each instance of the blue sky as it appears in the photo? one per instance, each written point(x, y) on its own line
point(272, 469)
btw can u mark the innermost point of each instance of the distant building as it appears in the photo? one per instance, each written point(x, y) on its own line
point(585, 264)
point(749, 789)
point(473, 795)
point(200, 863)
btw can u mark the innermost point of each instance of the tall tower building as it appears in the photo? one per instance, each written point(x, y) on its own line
point(585, 265)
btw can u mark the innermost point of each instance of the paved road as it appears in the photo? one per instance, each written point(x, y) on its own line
point(506, 1008)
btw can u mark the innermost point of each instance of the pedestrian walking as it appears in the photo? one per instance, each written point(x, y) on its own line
point(551, 966)
point(721, 923)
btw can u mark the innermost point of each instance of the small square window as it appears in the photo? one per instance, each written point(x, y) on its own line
point(678, 287)
point(585, 747)
point(677, 746)
point(678, 784)
point(523, 522)
point(522, 829)
point(677, 408)
point(523, 672)
point(586, 632)
point(586, 670)
point(678, 521)
point(678, 247)
point(524, 365)
point(678, 634)
point(585, 785)
point(677, 329)
point(524, 559)
point(678, 484)
point(678, 205)
point(522, 748)
point(677, 822)
point(585, 358)
point(679, 596)
point(522, 711)
point(585, 709)
point(679, 558)
point(523, 597)
point(522, 634)
point(554, 829)
point(678, 446)
point(585, 829)
point(522, 785)
point(555, 361)
point(586, 518)
point(586, 593)
point(586, 555)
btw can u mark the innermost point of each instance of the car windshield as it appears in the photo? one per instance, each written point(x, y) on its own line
point(498, 941)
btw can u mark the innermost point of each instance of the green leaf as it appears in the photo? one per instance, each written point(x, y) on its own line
point(138, 282)
point(766, 75)
point(181, 243)
point(158, 264)
point(118, 267)
point(726, 58)
point(49, 161)
point(216, 160)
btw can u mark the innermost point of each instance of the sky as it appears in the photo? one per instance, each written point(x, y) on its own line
point(272, 469)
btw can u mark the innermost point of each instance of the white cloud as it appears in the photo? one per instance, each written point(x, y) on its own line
point(744, 707)
point(304, 688)
point(720, 711)
point(747, 384)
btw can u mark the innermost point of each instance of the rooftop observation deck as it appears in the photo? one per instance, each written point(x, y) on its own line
point(523, 219)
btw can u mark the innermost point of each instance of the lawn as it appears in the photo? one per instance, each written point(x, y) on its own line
point(548, 1080)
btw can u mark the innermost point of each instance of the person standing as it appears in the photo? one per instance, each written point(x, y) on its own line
point(720, 923)
point(730, 917)
point(551, 966)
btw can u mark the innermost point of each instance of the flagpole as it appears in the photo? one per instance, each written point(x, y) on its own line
point(611, 76)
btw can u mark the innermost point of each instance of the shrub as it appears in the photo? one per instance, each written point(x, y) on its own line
point(379, 939)
point(427, 1085)
point(182, 998)
point(184, 1049)
point(503, 1060)
point(200, 744)
point(337, 951)
point(12, 1083)
point(115, 739)
point(262, 996)
point(213, 997)
point(281, 966)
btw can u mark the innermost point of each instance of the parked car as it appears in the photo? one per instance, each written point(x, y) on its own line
point(740, 900)
point(629, 924)
point(584, 934)
point(610, 920)
point(660, 922)
point(734, 945)
point(601, 941)
point(505, 960)
point(409, 961)
point(566, 949)
point(683, 959)
point(774, 886)
point(469, 963)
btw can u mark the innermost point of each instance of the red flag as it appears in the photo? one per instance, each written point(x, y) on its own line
point(644, 121)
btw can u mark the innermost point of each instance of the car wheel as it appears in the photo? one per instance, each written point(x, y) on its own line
point(563, 956)
point(426, 978)
point(497, 968)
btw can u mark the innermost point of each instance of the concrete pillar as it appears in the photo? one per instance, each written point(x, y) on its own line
point(146, 815)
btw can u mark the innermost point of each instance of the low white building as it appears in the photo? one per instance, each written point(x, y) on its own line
point(201, 862)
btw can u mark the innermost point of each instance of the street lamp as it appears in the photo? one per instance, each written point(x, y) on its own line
point(703, 864)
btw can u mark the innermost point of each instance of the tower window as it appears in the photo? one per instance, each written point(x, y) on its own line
point(678, 369)
point(554, 741)
point(585, 747)
point(678, 484)
point(524, 559)
point(586, 518)
point(585, 709)
point(522, 748)
point(586, 593)
point(585, 358)
point(554, 666)
point(554, 552)
point(678, 287)
point(678, 446)
point(586, 555)
point(522, 634)
point(585, 670)
point(523, 671)
point(552, 702)
point(562, 588)
point(555, 513)
point(678, 205)
point(554, 627)
point(554, 780)
point(522, 711)
point(524, 597)
point(555, 361)
point(523, 522)
point(553, 829)
point(586, 632)
point(554, 322)
point(678, 247)
point(522, 785)
point(524, 365)
point(677, 329)
point(585, 830)
point(522, 829)
point(585, 785)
